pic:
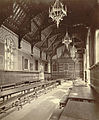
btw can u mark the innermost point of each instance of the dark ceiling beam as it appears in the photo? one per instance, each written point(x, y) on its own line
point(6, 9)
point(45, 38)
point(79, 43)
point(28, 37)
point(53, 53)
point(16, 9)
point(56, 44)
point(10, 24)
point(55, 37)
point(50, 31)
point(23, 5)
point(55, 47)
point(48, 37)
point(35, 23)
point(42, 20)
point(14, 23)
point(19, 17)
point(75, 36)
point(79, 48)
point(59, 43)
point(39, 28)
point(47, 33)
point(59, 38)
point(80, 51)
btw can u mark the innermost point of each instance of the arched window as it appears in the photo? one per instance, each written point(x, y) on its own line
point(9, 54)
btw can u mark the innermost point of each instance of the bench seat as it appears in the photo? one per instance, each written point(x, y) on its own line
point(63, 100)
point(56, 114)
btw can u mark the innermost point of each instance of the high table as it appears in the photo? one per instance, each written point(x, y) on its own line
point(76, 110)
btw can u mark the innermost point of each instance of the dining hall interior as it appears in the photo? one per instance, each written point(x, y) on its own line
point(49, 59)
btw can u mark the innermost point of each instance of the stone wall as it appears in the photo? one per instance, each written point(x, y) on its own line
point(10, 77)
point(2, 56)
point(19, 54)
point(65, 69)
point(19, 73)
point(6, 34)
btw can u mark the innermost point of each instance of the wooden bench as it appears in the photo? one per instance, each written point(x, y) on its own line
point(16, 101)
point(7, 86)
point(4, 109)
point(56, 114)
point(6, 93)
point(18, 84)
point(6, 106)
point(37, 87)
point(12, 85)
point(63, 101)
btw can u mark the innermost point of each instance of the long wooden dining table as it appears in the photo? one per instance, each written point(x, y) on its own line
point(77, 110)
point(82, 93)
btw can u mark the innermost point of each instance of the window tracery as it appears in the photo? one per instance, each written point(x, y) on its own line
point(9, 54)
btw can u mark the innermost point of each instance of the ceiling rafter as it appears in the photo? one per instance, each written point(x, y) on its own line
point(79, 42)
point(53, 52)
point(57, 36)
point(56, 45)
point(53, 40)
point(33, 34)
point(24, 10)
point(24, 6)
point(54, 49)
point(45, 40)
point(49, 30)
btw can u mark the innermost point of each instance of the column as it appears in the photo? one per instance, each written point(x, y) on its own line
point(97, 46)
point(85, 64)
point(49, 66)
point(87, 57)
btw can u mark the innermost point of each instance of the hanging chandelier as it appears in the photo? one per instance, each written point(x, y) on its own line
point(66, 40)
point(57, 12)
